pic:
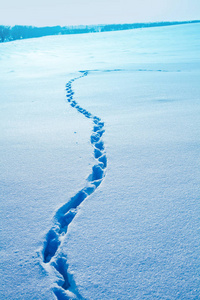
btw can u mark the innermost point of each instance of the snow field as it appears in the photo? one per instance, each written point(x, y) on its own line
point(136, 236)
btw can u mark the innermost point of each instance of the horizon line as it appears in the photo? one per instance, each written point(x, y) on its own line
point(105, 24)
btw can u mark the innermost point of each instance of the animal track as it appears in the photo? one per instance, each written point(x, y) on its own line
point(51, 255)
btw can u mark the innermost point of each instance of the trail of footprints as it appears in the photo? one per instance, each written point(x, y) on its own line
point(51, 254)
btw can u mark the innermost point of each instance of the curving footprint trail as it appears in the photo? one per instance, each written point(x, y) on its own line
point(51, 255)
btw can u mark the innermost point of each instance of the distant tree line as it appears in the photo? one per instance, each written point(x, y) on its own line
point(17, 32)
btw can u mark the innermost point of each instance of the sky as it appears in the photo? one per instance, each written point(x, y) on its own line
point(77, 12)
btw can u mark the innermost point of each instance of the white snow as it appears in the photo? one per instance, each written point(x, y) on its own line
point(136, 236)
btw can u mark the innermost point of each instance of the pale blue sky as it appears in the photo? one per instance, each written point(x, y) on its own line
point(72, 12)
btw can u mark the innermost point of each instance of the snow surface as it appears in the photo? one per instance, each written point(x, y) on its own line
point(136, 236)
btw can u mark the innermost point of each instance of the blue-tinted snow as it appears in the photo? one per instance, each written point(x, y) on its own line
point(136, 236)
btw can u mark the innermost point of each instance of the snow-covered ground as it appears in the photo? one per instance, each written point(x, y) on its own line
point(135, 236)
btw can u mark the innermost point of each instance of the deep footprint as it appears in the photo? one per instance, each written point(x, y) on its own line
point(65, 215)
